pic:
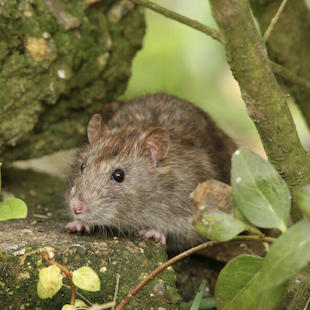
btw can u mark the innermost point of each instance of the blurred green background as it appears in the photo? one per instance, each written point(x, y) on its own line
point(186, 63)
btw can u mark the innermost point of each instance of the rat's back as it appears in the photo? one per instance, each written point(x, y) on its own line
point(187, 125)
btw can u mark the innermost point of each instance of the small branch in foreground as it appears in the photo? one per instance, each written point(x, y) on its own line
point(213, 33)
point(274, 21)
point(180, 256)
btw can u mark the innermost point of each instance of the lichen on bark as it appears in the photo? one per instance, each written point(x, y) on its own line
point(59, 62)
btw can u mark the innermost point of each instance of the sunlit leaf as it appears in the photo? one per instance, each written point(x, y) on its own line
point(302, 199)
point(259, 191)
point(80, 304)
point(86, 278)
point(50, 281)
point(68, 307)
point(12, 208)
point(220, 226)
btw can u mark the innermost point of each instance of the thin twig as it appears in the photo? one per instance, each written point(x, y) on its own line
point(290, 76)
point(180, 256)
point(274, 21)
point(80, 295)
point(161, 268)
point(116, 290)
point(213, 33)
point(67, 273)
point(280, 70)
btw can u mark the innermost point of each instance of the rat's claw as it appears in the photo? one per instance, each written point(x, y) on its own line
point(77, 226)
point(154, 234)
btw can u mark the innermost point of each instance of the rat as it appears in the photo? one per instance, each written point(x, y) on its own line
point(143, 159)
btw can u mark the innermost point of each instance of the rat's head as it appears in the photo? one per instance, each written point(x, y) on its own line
point(115, 174)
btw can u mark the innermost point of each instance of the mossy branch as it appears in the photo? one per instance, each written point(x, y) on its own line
point(265, 101)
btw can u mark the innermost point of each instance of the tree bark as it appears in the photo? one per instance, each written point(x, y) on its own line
point(59, 61)
point(289, 43)
point(266, 103)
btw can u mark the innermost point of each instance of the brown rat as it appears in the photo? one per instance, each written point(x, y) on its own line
point(144, 159)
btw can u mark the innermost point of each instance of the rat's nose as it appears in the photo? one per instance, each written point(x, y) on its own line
point(77, 206)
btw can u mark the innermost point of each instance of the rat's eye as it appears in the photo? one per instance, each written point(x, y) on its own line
point(118, 175)
point(83, 166)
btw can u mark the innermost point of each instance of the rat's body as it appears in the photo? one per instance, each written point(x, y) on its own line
point(141, 165)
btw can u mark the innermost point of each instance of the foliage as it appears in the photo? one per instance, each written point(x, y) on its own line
point(86, 278)
point(50, 282)
point(261, 198)
point(12, 208)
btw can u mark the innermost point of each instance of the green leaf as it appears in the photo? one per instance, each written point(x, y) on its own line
point(220, 226)
point(238, 286)
point(302, 199)
point(12, 208)
point(199, 295)
point(80, 304)
point(289, 254)
point(259, 191)
point(206, 303)
point(86, 278)
point(50, 281)
point(234, 278)
point(68, 307)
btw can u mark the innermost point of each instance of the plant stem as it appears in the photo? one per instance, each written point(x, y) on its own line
point(180, 256)
point(213, 33)
point(255, 238)
point(67, 273)
point(274, 21)
point(88, 302)
point(116, 291)
point(171, 261)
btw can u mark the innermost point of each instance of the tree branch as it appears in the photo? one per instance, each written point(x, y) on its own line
point(266, 103)
point(274, 21)
point(213, 33)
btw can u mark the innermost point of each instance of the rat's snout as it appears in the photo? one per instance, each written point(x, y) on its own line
point(77, 206)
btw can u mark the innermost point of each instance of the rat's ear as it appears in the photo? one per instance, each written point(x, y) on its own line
point(96, 128)
point(156, 144)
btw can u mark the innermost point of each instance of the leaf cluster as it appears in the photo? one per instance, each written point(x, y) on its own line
point(261, 199)
point(50, 282)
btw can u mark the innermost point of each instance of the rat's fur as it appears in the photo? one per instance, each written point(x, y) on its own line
point(153, 195)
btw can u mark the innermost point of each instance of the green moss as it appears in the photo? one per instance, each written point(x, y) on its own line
point(58, 68)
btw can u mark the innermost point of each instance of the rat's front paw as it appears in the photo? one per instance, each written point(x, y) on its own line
point(77, 226)
point(154, 234)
